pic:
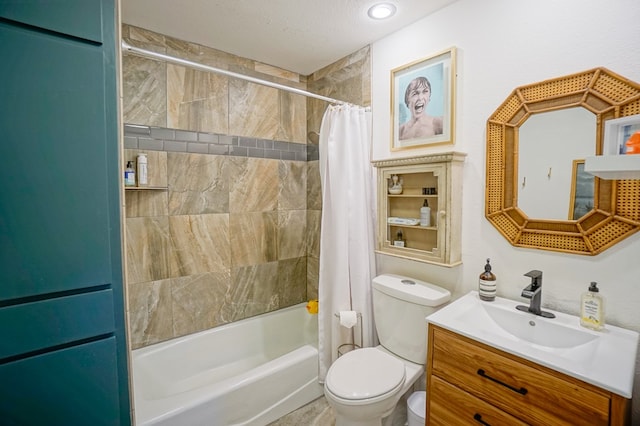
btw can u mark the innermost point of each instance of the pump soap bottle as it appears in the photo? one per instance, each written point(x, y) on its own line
point(129, 175)
point(592, 308)
point(425, 214)
point(487, 284)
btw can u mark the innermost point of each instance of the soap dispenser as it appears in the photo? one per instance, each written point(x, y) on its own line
point(129, 175)
point(592, 308)
point(487, 284)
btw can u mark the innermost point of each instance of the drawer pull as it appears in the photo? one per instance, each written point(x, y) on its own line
point(478, 418)
point(522, 391)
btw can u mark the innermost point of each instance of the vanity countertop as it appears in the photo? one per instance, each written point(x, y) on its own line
point(603, 358)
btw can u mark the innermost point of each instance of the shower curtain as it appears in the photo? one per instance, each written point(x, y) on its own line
point(347, 237)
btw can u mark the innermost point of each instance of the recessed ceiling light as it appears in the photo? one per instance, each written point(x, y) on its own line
point(382, 11)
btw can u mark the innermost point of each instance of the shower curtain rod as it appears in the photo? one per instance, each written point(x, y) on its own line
point(128, 49)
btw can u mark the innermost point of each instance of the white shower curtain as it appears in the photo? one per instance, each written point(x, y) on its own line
point(347, 238)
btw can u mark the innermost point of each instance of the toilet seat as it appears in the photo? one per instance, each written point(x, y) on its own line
point(365, 374)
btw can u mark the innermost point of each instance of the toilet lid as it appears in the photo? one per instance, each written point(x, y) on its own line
point(364, 373)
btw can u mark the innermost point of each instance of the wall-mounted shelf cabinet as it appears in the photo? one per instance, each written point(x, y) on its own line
point(435, 178)
point(613, 166)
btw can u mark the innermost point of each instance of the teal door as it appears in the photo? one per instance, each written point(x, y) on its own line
point(63, 355)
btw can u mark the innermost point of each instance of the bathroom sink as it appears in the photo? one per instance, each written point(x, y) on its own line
point(605, 358)
point(528, 327)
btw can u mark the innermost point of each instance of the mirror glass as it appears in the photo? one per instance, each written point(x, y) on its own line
point(549, 143)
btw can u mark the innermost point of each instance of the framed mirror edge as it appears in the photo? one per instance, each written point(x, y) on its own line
point(608, 96)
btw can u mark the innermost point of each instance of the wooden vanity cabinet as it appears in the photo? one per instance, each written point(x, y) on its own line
point(472, 383)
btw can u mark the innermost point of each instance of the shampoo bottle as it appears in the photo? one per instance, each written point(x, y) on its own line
point(425, 214)
point(487, 284)
point(129, 175)
point(592, 308)
point(143, 179)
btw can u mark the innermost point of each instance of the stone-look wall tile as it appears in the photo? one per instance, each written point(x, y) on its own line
point(197, 301)
point(292, 277)
point(313, 277)
point(197, 100)
point(198, 184)
point(150, 313)
point(206, 55)
point(253, 184)
point(348, 79)
point(144, 91)
point(292, 229)
point(146, 203)
point(254, 291)
point(352, 64)
point(293, 118)
point(200, 244)
point(315, 113)
point(145, 39)
point(314, 218)
point(156, 165)
point(253, 110)
point(277, 72)
point(293, 185)
point(148, 249)
point(253, 237)
point(314, 186)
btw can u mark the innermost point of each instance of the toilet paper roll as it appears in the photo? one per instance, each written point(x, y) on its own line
point(348, 318)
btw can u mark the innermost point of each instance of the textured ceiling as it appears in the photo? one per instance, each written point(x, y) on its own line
point(296, 35)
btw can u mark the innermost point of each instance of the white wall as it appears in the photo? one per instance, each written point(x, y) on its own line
point(503, 44)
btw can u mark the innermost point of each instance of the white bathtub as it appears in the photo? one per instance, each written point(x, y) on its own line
point(249, 372)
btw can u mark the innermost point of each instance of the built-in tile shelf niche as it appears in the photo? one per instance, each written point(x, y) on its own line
point(146, 188)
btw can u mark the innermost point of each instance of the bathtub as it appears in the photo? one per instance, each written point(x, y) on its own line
point(249, 372)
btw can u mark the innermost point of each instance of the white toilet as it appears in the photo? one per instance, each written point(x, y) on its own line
point(363, 386)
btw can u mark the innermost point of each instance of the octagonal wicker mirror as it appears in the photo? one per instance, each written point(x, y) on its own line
point(616, 206)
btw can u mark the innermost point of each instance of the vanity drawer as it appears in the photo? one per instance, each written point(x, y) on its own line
point(449, 406)
point(532, 393)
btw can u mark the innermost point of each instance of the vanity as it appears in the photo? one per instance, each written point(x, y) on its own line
point(490, 364)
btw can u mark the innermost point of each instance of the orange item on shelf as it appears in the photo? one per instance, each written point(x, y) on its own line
point(633, 144)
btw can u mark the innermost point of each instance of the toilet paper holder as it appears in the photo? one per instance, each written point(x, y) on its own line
point(347, 347)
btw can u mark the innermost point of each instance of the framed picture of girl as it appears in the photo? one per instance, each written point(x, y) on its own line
point(422, 102)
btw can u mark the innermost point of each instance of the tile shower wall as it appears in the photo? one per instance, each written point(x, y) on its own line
point(236, 231)
point(223, 242)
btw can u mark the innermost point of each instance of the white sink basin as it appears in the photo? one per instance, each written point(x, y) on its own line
point(605, 358)
point(527, 327)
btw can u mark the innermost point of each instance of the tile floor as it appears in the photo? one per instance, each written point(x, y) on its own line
point(316, 413)
point(319, 413)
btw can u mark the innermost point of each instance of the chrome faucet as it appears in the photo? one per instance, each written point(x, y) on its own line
point(534, 292)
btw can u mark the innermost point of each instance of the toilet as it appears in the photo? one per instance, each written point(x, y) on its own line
point(364, 385)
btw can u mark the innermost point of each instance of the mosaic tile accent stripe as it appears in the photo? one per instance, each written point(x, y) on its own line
point(172, 140)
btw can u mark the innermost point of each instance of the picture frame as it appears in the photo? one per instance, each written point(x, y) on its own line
point(423, 102)
point(617, 132)
point(582, 191)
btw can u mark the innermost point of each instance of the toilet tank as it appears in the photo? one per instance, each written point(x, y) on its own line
point(400, 306)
